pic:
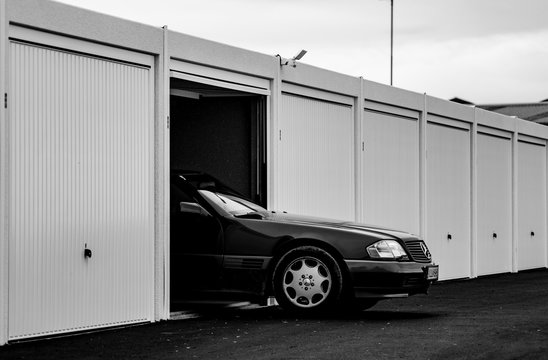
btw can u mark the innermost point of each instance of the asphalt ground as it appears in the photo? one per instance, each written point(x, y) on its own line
point(496, 317)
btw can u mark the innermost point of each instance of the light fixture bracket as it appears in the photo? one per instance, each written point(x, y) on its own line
point(293, 61)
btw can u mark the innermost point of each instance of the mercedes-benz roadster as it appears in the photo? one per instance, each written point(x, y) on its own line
point(224, 246)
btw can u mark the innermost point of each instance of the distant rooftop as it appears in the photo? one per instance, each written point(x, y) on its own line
point(535, 112)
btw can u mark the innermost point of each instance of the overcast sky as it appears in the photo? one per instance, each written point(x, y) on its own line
point(485, 51)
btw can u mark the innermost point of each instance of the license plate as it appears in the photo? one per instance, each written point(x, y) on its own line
point(432, 272)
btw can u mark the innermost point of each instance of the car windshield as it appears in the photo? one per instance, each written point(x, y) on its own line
point(230, 204)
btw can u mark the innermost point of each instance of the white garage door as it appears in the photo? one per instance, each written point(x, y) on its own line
point(80, 177)
point(531, 205)
point(390, 184)
point(316, 158)
point(494, 179)
point(448, 198)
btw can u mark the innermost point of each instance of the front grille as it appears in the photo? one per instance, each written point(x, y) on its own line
point(416, 250)
point(415, 280)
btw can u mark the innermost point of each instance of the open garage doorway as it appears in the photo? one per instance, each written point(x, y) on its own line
point(222, 132)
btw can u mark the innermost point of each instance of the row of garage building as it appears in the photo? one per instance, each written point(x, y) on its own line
point(97, 111)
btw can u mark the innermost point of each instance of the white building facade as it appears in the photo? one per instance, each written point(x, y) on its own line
point(97, 110)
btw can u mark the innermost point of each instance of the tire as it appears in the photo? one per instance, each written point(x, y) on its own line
point(307, 279)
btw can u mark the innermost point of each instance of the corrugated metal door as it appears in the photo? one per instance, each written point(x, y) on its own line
point(531, 205)
point(390, 184)
point(448, 199)
point(316, 158)
point(494, 181)
point(80, 176)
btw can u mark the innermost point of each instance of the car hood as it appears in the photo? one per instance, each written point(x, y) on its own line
point(339, 224)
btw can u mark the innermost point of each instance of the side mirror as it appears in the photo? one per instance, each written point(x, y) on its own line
point(193, 208)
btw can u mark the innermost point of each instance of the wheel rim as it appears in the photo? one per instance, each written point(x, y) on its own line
point(306, 282)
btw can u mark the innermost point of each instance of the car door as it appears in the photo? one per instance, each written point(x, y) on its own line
point(196, 246)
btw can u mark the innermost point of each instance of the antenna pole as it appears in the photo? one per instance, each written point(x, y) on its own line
point(391, 40)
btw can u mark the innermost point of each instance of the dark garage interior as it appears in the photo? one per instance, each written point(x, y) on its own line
point(221, 132)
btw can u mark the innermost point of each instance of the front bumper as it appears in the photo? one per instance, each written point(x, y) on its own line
point(388, 279)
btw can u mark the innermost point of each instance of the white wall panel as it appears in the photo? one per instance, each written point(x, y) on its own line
point(494, 179)
point(316, 158)
point(531, 206)
point(80, 173)
point(390, 185)
point(448, 199)
point(4, 253)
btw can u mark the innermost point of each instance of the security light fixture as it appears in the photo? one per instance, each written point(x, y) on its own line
point(300, 55)
point(293, 61)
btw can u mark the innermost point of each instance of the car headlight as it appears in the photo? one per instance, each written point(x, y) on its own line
point(386, 249)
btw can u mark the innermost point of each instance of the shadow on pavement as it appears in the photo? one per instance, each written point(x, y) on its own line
point(277, 313)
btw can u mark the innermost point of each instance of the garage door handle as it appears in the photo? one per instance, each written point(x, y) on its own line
point(87, 252)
